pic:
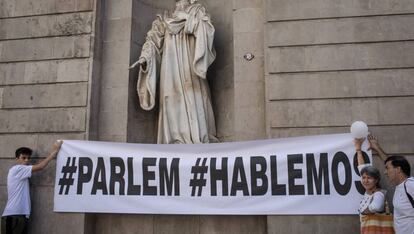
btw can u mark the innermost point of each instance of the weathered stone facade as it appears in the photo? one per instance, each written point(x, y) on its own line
point(318, 65)
point(46, 53)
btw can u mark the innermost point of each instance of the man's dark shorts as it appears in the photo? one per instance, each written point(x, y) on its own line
point(14, 224)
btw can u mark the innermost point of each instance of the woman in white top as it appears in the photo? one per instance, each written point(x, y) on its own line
point(374, 198)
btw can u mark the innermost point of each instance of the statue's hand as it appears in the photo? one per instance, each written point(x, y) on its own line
point(141, 61)
point(133, 65)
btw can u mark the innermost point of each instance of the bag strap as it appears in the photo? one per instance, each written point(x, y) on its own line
point(408, 195)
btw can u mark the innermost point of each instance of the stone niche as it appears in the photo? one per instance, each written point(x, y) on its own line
point(142, 124)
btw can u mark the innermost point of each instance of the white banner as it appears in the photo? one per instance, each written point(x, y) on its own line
point(302, 175)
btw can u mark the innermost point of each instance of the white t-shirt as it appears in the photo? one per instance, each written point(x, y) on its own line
point(403, 210)
point(373, 202)
point(18, 202)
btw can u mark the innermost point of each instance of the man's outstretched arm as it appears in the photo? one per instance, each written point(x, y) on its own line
point(42, 164)
point(374, 145)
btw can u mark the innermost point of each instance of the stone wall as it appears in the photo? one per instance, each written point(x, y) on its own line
point(45, 72)
point(249, 82)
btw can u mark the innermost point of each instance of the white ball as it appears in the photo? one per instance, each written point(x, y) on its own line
point(359, 129)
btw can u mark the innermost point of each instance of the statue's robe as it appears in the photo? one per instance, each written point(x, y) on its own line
point(178, 51)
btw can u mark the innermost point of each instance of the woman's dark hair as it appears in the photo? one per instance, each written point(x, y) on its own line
point(400, 161)
point(372, 172)
point(24, 151)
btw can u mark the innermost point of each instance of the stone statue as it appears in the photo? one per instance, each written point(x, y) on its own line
point(177, 53)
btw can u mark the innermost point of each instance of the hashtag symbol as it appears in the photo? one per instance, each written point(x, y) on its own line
point(67, 180)
point(196, 182)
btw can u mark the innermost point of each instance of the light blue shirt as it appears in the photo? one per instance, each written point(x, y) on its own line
point(18, 202)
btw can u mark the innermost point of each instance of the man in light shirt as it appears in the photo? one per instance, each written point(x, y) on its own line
point(17, 211)
point(398, 171)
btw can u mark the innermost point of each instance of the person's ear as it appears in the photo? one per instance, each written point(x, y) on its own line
point(398, 169)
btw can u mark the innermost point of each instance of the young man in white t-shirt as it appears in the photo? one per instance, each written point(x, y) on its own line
point(17, 210)
point(398, 171)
